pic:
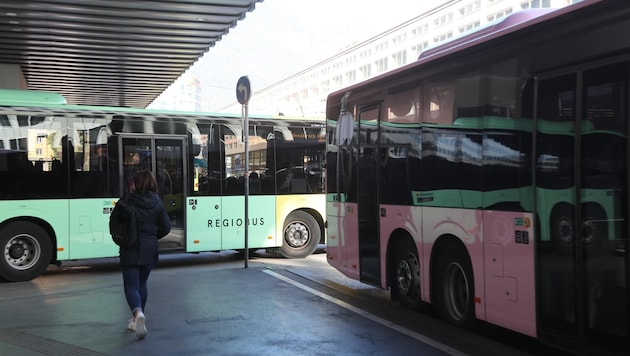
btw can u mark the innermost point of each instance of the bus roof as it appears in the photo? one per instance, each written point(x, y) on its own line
point(501, 27)
point(513, 23)
point(54, 101)
point(493, 29)
point(509, 24)
point(30, 97)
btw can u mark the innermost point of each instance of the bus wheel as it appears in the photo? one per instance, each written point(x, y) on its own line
point(454, 288)
point(26, 251)
point(301, 235)
point(407, 282)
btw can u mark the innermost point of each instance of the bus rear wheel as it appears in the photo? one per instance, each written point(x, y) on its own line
point(454, 288)
point(26, 251)
point(407, 281)
point(301, 235)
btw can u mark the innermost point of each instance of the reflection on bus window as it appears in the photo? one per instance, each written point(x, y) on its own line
point(282, 160)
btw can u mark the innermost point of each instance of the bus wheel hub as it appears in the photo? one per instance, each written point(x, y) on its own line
point(297, 235)
point(404, 278)
point(16, 251)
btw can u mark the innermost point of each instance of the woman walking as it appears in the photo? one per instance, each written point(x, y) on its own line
point(137, 262)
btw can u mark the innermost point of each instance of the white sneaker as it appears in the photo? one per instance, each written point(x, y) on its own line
point(132, 325)
point(141, 329)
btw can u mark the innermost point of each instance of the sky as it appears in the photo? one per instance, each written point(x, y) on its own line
point(281, 38)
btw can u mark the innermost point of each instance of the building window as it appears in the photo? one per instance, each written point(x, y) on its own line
point(444, 19)
point(381, 47)
point(381, 65)
point(325, 86)
point(443, 37)
point(500, 14)
point(469, 27)
point(337, 81)
point(351, 77)
point(470, 8)
point(399, 39)
point(366, 71)
point(400, 58)
point(420, 47)
point(419, 30)
point(535, 4)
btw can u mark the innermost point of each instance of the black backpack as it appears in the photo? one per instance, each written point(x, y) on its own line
point(123, 225)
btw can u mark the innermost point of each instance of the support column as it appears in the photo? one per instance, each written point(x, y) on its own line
point(11, 77)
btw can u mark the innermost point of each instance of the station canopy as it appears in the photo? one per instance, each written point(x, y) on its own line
point(111, 52)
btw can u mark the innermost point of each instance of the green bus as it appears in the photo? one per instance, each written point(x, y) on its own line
point(63, 167)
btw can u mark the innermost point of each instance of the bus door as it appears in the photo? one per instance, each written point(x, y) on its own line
point(165, 157)
point(582, 205)
point(367, 195)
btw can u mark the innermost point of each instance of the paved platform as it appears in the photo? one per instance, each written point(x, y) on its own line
point(198, 309)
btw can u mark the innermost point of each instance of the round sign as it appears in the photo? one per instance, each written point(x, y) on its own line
point(243, 90)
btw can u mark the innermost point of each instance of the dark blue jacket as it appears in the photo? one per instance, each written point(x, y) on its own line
point(153, 224)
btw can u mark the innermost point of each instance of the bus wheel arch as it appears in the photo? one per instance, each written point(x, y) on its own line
point(452, 282)
point(403, 270)
point(301, 234)
point(27, 250)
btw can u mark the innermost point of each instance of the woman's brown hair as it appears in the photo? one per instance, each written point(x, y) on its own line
point(144, 180)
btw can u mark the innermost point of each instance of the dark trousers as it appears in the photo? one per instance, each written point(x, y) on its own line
point(135, 281)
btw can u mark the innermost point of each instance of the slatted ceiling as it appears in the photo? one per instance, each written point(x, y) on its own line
point(111, 52)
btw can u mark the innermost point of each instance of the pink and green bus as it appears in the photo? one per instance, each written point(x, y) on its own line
point(63, 167)
point(488, 180)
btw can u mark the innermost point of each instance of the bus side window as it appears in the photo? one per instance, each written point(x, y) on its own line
point(403, 106)
point(88, 157)
point(438, 101)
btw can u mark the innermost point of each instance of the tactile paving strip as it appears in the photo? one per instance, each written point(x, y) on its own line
point(43, 345)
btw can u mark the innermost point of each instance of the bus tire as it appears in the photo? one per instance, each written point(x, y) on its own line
point(300, 236)
point(407, 276)
point(454, 290)
point(26, 251)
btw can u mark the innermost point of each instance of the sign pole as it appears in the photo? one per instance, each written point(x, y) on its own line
point(243, 92)
point(246, 141)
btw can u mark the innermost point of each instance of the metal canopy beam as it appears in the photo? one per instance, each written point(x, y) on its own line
point(111, 52)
